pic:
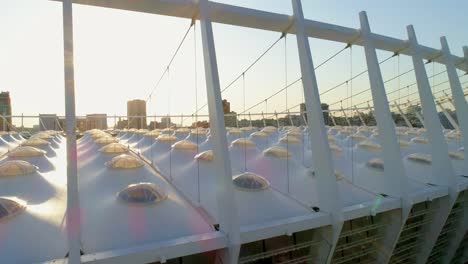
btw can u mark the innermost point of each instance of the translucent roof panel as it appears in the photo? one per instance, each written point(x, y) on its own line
point(35, 141)
point(205, 155)
point(184, 145)
point(420, 158)
point(141, 131)
point(16, 168)
point(10, 208)
point(114, 148)
point(198, 131)
point(100, 135)
point(153, 133)
point(243, 142)
point(26, 151)
point(183, 130)
point(277, 152)
point(142, 193)
point(106, 140)
point(124, 161)
point(377, 164)
point(249, 181)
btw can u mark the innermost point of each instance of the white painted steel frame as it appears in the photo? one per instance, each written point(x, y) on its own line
point(209, 12)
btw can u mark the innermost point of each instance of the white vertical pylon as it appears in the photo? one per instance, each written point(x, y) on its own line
point(408, 123)
point(73, 202)
point(458, 97)
point(442, 171)
point(229, 221)
point(394, 181)
point(328, 194)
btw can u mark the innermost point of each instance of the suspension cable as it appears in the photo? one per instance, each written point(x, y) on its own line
point(172, 59)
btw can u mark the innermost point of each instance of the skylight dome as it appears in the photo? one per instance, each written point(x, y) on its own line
point(114, 148)
point(198, 131)
point(243, 142)
point(16, 168)
point(377, 164)
point(235, 131)
point(106, 140)
point(358, 137)
point(456, 155)
point(339, 176)
point(184, 145)
point(288, 139)
point(10, 208)
point(141, 131)
point(420, 140)
point(276, 152)
point(168, 130)
point(124, 161)
point(331, 139)
point(259, 134)
point(249, 181)
point(100, 135)
point(369, 145)
point(22, 152)
point(420, 158)
point(42, 135)
point(404, 143)
point(295, 134)
point(35, 142)
point(166, 138)
point(269, 129)
point(143, 193)
point(183, 130)
point(205, 155)
point(153, 133)
point(335, 149)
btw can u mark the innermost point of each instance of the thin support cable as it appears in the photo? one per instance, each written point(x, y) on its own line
point(196, 106)
point(248, 68)
point(172, 59)
point(354, 77)
point(286, 68)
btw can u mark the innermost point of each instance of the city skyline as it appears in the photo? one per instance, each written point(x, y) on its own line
point(115, 63)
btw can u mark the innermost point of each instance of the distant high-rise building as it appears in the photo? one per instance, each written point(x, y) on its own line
point(165, 122)
point(230, 120)
point(136, 112)
point(96, 121)
point(5, 111)
point(48, 122)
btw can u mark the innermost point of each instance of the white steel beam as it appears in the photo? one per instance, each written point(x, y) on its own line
point(229, 222)
point(458, 97)
point(448, 116)
point(442, 170)
point(328, 196)
point(360, 116)
point(73, 201)
point(394, 181)
point(408, 123)
point(418, 114)
point(345, 116)
point(252, 18)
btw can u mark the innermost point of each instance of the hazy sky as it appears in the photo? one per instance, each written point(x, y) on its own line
point(120, 55)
